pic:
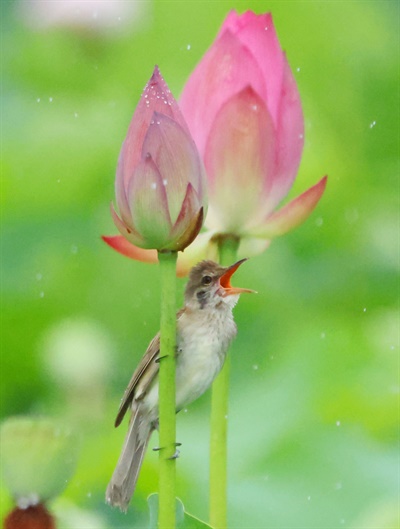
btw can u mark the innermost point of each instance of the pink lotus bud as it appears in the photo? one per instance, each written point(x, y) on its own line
point(243, 109)
point(160, 182)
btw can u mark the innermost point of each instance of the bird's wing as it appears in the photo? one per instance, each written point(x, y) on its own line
point(142, 376)
point(147, 369)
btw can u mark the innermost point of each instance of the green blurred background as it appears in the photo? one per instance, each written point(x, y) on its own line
point(314, 405)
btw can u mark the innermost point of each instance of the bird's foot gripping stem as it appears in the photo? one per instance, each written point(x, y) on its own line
point(176, 453)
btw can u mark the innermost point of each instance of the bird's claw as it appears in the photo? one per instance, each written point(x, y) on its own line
point(176, 454)
point(159, 358)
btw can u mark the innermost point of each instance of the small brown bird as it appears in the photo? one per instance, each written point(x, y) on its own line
point(205, 328)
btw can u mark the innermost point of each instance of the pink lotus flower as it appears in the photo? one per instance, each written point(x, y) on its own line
point(160, 182)
point(244, 112)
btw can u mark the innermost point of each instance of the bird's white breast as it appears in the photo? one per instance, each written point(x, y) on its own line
point(203, 338)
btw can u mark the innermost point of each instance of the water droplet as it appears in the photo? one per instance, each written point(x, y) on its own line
point(351, 215)
point(39, 276)
point(153, 185)
point(255, 367)
point(337, 423)
point(297, 69)
point(185, 410)
point(323, 335)
point(165, 181)
point(308, 498)
point(226, 416)
point(266, 28)
point(76, 114)
point(365, 309)
point(301, 136)
point(74, 249)
point(50, 99)
point(319, 221)
point(89, 494)
point(58, 180)
point(38, 100)
point(41, 295)
point(188, 47)
point(271, 357)
point(372, 125)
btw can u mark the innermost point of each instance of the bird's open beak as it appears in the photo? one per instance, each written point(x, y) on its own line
point(225, 281)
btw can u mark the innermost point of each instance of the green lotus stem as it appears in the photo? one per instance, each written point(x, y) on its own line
point(219, 418)
point(167, 425)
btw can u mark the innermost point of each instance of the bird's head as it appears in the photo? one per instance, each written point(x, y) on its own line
point(209, 285)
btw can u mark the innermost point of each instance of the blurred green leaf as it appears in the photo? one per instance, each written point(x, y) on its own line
point(183, 519)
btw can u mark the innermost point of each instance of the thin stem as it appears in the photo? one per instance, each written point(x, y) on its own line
point(219, 418)
point(167, 421)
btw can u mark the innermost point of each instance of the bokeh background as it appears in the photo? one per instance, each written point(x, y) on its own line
point(314, 407)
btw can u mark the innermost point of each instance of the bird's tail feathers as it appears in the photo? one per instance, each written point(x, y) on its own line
point(123, 481)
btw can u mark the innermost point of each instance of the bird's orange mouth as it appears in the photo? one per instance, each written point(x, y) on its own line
point(225, 281)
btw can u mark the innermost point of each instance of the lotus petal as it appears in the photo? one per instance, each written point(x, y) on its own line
point(239, 160)
point(291, 215)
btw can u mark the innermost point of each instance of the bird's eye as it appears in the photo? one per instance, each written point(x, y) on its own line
point(200, 294)
point(206, 280)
